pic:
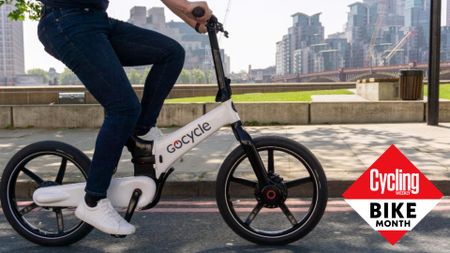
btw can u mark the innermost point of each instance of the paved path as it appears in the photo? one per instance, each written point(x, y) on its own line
point(345, 151)
point(196, 226)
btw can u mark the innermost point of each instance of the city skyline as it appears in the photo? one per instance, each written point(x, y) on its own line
point(257, 50)
point(378, 33)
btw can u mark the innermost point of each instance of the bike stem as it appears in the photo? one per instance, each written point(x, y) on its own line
point(224, 94)
point(223, 82)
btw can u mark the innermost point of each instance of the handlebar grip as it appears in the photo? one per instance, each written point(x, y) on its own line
point(198, 12)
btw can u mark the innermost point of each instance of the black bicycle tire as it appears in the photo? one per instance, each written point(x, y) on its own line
point(221, 194)
point(43, 146)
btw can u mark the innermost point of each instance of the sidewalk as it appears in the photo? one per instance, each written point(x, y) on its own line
point(344, 151)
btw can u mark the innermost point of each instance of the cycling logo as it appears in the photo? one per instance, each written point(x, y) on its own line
point(189, 137)
point(392, 196)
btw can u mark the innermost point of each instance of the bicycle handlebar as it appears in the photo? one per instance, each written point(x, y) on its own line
point(198, 12)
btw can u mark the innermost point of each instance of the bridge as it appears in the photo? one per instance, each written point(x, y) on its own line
point(352, 75)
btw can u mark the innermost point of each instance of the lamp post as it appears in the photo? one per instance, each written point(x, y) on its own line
point(434, 63)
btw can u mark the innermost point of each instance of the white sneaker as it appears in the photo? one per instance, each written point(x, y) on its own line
point(154, 134)
point(104, 217)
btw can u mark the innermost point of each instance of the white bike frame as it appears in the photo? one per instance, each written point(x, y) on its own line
point(171, 147)
point(168, 149)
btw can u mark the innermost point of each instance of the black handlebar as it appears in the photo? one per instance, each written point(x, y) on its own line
point(198, 12)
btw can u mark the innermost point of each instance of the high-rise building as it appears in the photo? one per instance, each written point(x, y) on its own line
point(11, 47)
point(417, 20)
point(283, 56)
point(448, 13)
point(138, 15)
point(358, 33)
point(445, 44)
point(304, 32)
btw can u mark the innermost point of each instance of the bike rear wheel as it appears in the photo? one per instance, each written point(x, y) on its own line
point(43, 164)
point(276, 214)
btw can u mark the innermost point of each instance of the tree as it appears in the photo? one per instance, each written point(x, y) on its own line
point(211, 77)
point(67, 77)
point(30, 8)
point(135, 77)
point(39, 72)
point(185, 77)
point(198, 76)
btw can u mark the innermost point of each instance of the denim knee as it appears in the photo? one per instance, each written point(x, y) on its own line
point(130, 109)
point(177, 52)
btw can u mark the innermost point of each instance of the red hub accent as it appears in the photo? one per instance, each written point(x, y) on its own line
point(271, 194)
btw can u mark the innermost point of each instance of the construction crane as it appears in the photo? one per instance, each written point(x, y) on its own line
point(381, 13)
point(395, 49)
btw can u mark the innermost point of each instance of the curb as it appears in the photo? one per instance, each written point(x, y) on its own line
point(207, 189)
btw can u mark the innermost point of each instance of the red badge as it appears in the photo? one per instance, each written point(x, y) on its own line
point(392, 196)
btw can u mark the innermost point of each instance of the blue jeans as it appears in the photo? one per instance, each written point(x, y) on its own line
point(96, 47)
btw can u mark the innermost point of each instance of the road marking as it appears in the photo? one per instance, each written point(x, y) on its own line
point(246, 206)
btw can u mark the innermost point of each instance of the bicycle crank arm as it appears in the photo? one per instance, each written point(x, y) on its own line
point(131, 208)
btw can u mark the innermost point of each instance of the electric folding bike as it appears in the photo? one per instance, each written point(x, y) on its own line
point(255, 186)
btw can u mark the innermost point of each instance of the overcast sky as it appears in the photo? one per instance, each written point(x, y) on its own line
point(254, 26)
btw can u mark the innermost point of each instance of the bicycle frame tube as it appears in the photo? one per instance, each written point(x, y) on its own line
point(171, 147)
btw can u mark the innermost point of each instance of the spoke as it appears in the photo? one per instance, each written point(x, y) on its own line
point(253, 214)
point(28, 209)
point(244, 182)
point(32, 175)
point(59, 220)
point(61, 171)
point(270, 167)
point(298, 182)
point(288, 214)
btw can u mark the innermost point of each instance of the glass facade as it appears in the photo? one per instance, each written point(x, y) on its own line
point(11, 47)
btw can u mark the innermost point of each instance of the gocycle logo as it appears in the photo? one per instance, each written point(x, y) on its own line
point(189, 138)
point(398, 182)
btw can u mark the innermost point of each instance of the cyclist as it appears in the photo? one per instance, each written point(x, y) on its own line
point(96, 47)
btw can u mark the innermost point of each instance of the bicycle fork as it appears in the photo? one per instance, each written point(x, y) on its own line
point(252, 153)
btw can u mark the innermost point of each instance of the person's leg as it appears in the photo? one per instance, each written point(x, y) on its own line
point(137, 46)
point(80, 40)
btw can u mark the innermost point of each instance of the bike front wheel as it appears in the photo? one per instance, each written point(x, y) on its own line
point(282, 212)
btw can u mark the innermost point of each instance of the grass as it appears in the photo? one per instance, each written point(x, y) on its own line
point(444, 91)
point(300, 96)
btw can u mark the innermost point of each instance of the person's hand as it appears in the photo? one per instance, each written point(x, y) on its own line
point(183, 9)
point(201, 21)
point(204, 5)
